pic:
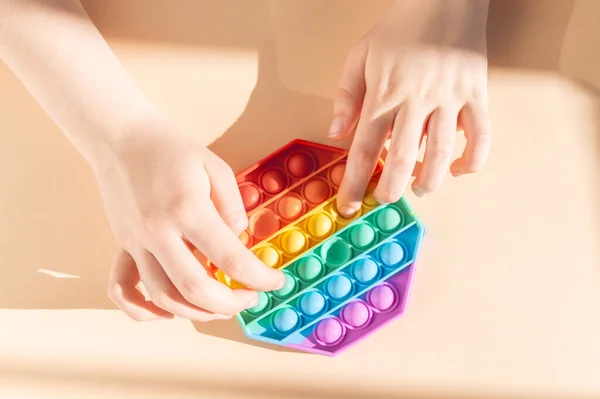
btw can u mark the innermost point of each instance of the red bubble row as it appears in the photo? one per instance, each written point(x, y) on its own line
point(273, 180)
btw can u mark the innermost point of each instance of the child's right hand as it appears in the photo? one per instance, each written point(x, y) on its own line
point(163, 192)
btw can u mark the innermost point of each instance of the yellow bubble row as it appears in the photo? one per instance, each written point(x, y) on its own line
point(297, 238)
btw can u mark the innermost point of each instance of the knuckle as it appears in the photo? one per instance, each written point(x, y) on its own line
point(190, 288)
point(365, 155)
point(441, 147)
point(403, 163)
point(232, 265)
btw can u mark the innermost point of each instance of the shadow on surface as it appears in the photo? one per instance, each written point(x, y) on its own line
point(201, 386)
point(232, 331)
point(274, 115)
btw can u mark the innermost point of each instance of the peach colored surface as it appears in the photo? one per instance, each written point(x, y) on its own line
point(506, 298)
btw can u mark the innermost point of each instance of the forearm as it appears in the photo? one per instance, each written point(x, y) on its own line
point(56, 51)
point(455, 22)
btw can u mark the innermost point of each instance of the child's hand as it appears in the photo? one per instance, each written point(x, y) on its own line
point(421, 72)
point(162, 190)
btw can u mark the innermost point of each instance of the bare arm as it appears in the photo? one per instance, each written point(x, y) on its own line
point(56, 51)
point(158, 185)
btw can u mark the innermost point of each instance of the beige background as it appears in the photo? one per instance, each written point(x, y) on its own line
point(507, 304)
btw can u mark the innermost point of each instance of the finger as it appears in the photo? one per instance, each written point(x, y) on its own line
point(403, 153)
point(363, 156)
point(225, 193)
point(351, 91)
point(441, 134)
point(193, 282)
point(123, 279)
point(229, 254)
point(478, 132)
point(164, 294)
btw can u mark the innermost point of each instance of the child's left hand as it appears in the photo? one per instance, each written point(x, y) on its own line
point(421, 72)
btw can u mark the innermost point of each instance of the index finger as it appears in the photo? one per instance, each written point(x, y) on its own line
point(366, 148)
point(211, 236)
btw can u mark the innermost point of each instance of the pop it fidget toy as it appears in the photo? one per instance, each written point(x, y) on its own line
point(345, 277)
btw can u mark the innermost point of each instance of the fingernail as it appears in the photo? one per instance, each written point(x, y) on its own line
point(224, 316)
point(252, 303)
point(280, 283)
point(418, 192)
point(336, 127)
point(347, 211)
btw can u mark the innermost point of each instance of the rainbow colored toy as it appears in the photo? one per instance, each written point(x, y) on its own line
point(345, 278)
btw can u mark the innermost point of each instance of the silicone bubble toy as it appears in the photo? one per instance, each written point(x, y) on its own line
point(345, 277)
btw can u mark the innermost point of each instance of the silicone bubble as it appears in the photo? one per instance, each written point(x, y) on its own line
point(388, 219)
point(300, 164)
point(391, 253)
point(339, 287)
point(309, 268)
point(312, 303)
point(362, 235)
point(289, 287)
point(382, 297)
point(329, 331)
point(293, 241)
point(246, 239)
point(317, 191)
point(285, 320)
point(319, 225)
point(250, 195)
point(268, 255)
point(273, 180)
point(264, 224)
point(263, 302)
point(369, 200)
point(365, 270)
point(336, 174)
point(290, 207)
point(336, 252)
point(356, 314)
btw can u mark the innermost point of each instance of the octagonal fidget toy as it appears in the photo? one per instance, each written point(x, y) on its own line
point(345, 277)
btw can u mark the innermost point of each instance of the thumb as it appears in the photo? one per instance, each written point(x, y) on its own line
point(351, 91)
point(225, 193)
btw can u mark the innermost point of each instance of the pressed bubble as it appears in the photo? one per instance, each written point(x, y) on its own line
point(336, 252)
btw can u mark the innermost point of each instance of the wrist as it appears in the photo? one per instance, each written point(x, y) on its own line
point(455, 23)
